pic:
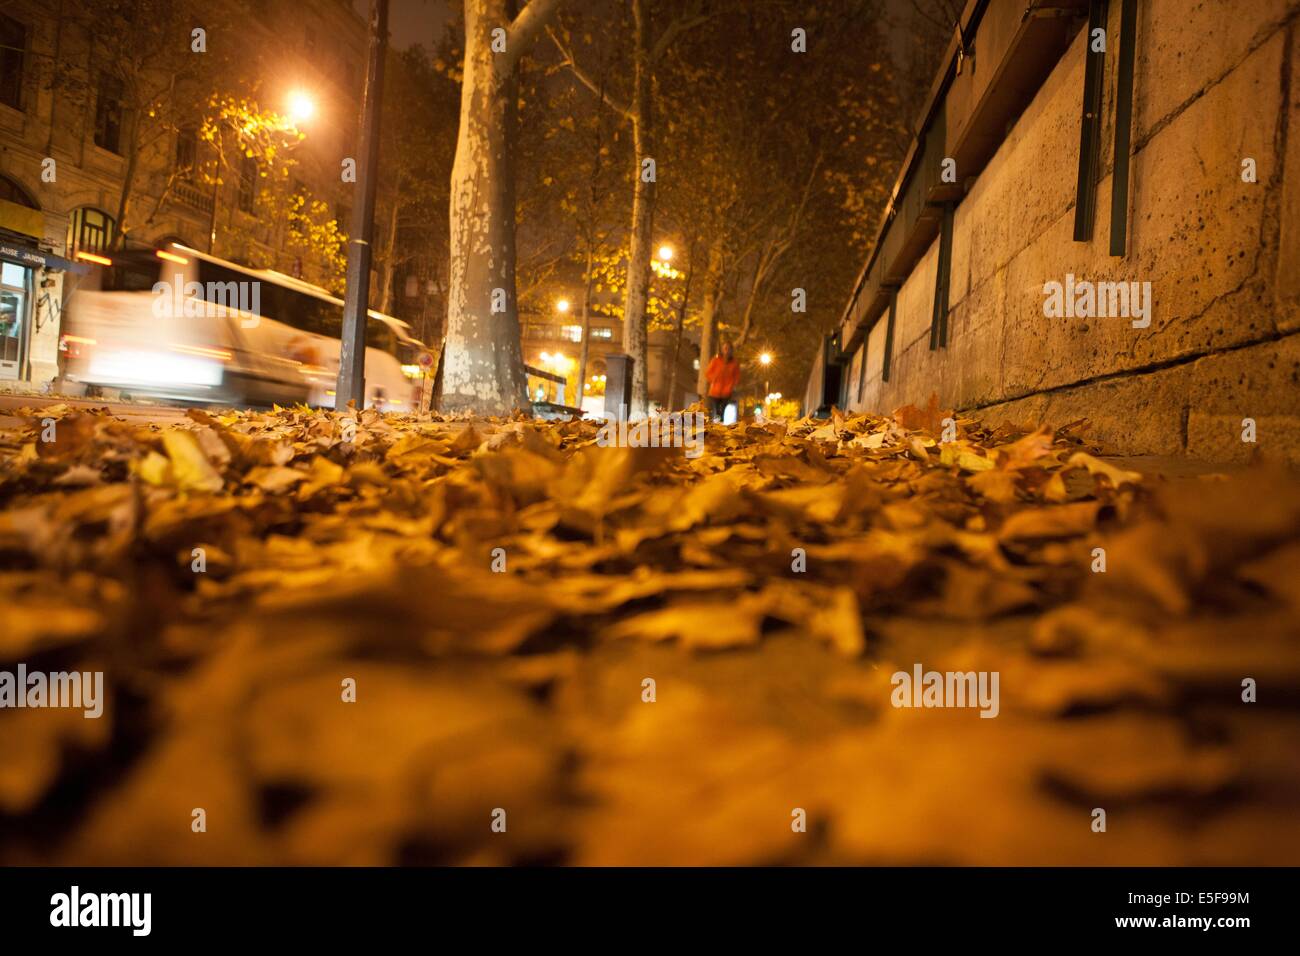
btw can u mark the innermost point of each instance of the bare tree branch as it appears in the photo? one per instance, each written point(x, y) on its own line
point(526, 30)
point(773, 250)
point(617, 105)
point(675, 29)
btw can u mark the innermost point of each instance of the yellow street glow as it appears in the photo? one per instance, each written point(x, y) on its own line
point(666, 253)
point(301, 106)
point(562, 305)
point(765, 358)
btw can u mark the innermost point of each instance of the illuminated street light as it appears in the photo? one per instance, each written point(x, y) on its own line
point(301, 107)
point(666, 253)
point(562, 305)
point(765, 359)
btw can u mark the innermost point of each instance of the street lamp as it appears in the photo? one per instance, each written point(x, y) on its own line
point(666, 252)
point(562, 305)
point(765, 359)
point(301, 107)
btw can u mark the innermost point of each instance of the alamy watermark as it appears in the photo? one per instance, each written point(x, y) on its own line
point(1085, 299)
point(23, 688)
point(673, 430)
point(209, 300)
point(75, 908)
point(946, 689)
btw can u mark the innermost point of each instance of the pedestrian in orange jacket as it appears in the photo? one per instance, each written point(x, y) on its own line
point(723, 374)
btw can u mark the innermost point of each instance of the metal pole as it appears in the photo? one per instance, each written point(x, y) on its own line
point(1085, 203)
point(216, 183)
point(356, 304)
point(1123, 127)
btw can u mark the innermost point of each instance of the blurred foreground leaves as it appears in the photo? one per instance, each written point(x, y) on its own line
point(371, 559)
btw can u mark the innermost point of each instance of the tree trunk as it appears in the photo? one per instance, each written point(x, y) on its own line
point(709, 315)
point(483, 363)
point(128, 187)
point(681, 320)
point(643, 211)
point(390, 262)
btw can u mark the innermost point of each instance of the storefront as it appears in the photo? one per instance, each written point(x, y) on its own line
point(25, 300)
point(15, 310)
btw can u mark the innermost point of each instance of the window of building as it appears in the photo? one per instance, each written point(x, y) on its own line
point(571, 333)
point(90, 230)
point(13, 316)
point(13, 46)
point(12, 192)
point(602, 332)
point(108, 114)
point(247, 184)
point(187, 152)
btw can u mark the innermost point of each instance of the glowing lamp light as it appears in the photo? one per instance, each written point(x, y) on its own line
point(562, 305)
point(765, 358)
point(666, 253)
point(301, 107)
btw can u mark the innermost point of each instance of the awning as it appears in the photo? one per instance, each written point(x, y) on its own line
point(36, 258)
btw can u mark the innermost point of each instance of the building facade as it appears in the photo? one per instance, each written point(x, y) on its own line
point(66, 132)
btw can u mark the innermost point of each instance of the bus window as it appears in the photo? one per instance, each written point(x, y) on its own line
point(379, 335)
point(127, 276)
point(329, 318)
point(235, 290)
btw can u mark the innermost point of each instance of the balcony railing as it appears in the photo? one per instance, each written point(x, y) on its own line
point(191, 195)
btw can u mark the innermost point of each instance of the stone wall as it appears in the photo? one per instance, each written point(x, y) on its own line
point(1215, 83)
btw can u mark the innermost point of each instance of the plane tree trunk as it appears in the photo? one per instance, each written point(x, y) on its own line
point(643, 216)
point(483, 366)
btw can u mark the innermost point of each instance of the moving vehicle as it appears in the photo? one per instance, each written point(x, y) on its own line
point(178, 324)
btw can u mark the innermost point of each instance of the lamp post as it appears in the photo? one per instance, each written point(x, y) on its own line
point(351, 384)
point(765, 360)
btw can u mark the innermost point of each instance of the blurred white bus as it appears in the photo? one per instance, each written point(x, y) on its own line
point(178, 324)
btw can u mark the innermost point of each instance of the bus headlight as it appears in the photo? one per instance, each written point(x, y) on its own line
point(154, 368)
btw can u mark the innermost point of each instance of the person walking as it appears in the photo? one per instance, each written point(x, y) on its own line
point(723, 374)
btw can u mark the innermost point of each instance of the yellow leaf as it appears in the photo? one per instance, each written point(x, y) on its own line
point(190, 467)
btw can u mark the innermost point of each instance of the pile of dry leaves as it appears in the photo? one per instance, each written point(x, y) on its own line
point(507, 596)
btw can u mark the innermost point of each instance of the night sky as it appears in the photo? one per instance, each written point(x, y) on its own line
point(412, 21)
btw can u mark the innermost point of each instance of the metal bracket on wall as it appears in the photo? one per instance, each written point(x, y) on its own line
point(862, 368)
point(889, 336)
point(1123, 127)
point(1085, 202)
point(942, 282)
